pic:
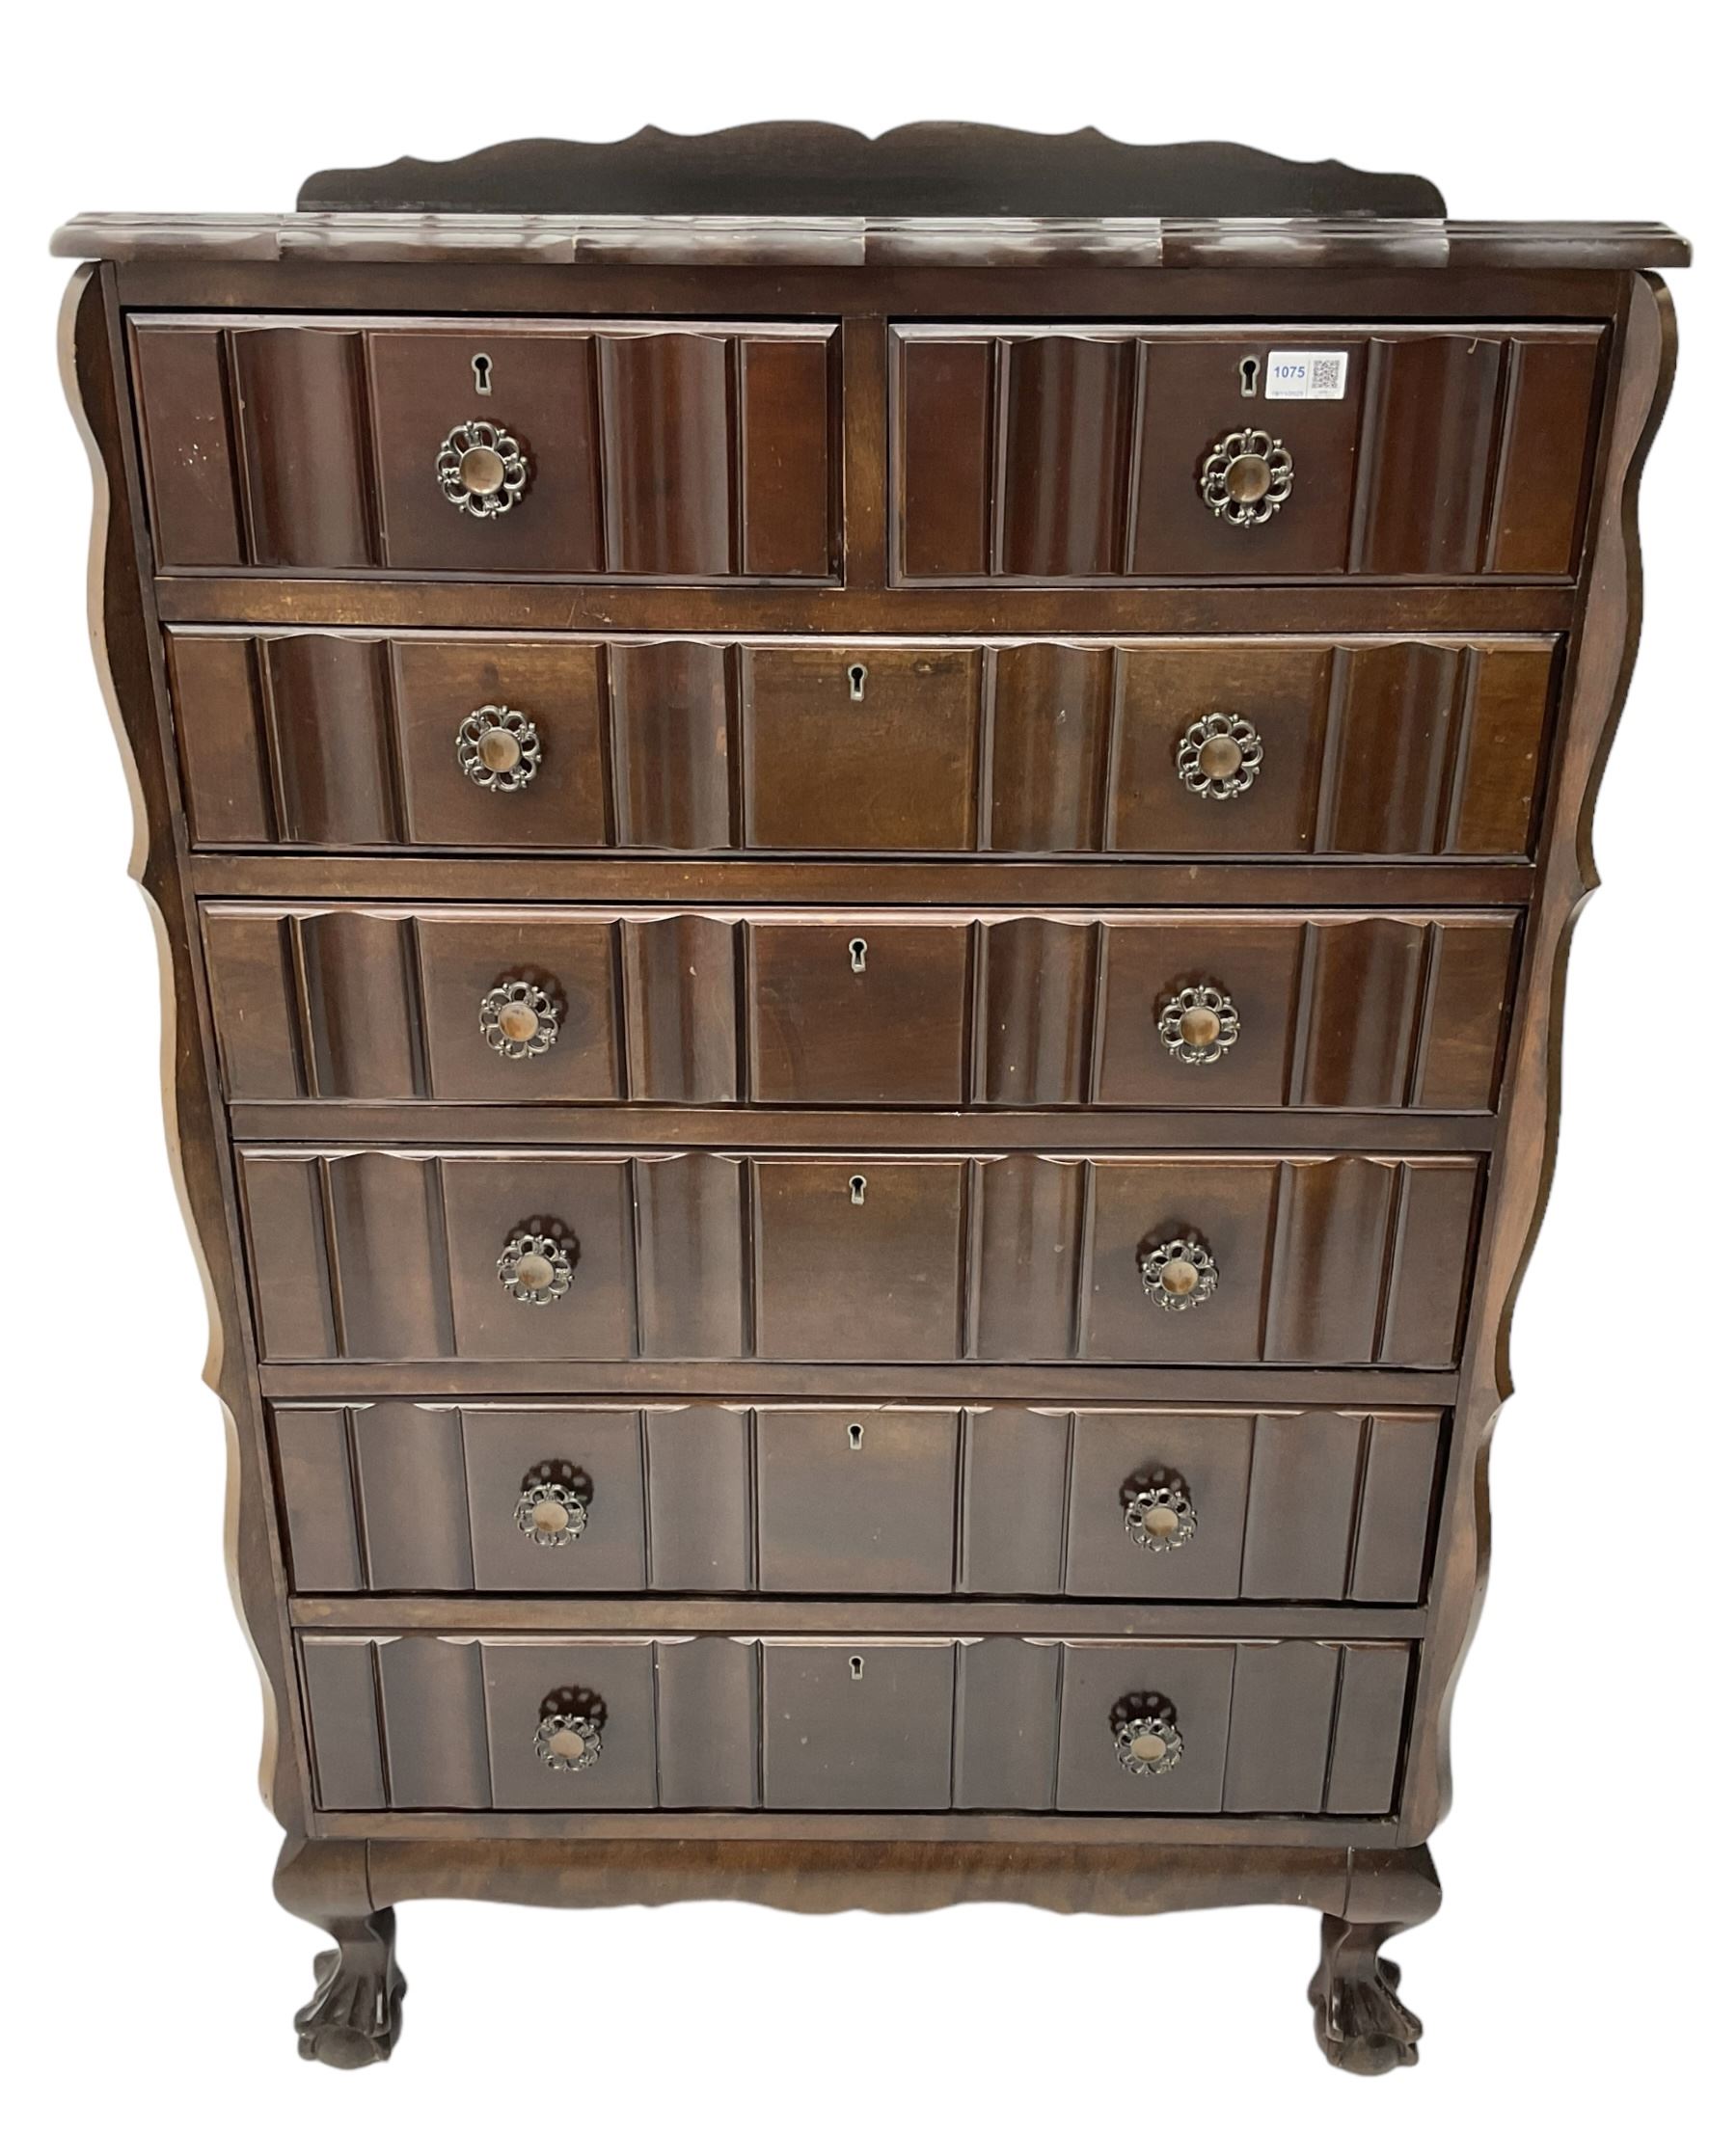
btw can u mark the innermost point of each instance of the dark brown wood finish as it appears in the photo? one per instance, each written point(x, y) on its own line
point(837, 1009)
point(849, 1493)
point(1369, 748)
point(1297, 1505)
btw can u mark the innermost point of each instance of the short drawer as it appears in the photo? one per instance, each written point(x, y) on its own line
point(1131, 1727)
point(408, 1256)
point(1056, 454)
point(529, 1005)
point(1225, 748)
point(617, 448)
point(1128, 1503)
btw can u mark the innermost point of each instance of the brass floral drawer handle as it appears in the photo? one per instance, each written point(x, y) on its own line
point(536, 1269)
point(1219, 756)
point(551, 1514)
point(1246, 477)
point(519, 1019)
point(481, 470)
point(1198, 1025)
point(1147, 1747)
point(498, 749)
point(1179, 1274)
point(567, 1742)
point(1161, 1518)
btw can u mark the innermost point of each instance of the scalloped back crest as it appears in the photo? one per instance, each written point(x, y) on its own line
point(803, 169)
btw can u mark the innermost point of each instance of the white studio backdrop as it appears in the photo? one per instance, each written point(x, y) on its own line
point(1583, 1954)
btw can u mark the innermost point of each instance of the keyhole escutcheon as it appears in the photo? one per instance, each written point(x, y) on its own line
point(1250, 377)
point(854, 1435)
point(484, 367)
point(858, 682)
point(858, 1190)
point(856, 1666)
point(858, 955)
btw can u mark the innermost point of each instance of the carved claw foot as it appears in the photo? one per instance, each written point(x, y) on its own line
point(1362, 2024)
point(357, 2010)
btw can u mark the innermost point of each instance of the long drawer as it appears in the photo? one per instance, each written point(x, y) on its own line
point(1216, 747)
point(1131, 1727)
point(550, 1256)
point(526, 1005)
point(1135, 1503)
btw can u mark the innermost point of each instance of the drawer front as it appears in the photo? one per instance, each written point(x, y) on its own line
point(1134, 1727)
point(1342, 749)
point(622, 449)
point(1059, 454)
point(1305, 1259)
point(526, 1005)
point(1122, 1503)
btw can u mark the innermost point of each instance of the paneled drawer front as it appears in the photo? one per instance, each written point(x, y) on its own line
point(1315, 1259)
point(532, 1005)
point(1137, 1503)
point(1056, 454)
point(626, 448)
point(1290, 1727)
point(1367, 746)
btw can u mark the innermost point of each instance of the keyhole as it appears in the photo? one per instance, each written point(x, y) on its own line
point(859, 682)
point(858, 1190)
point(1250, 376)
point(858, 955)
point(483, 365)
point(856, 1437)
point(856, 1666)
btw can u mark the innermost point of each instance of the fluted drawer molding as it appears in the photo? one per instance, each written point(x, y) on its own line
point(1441, 454)
point(1369, 746)
point(1294, 1727)
point(1403, 1010)
point(652, 448)
point(1328, 1259)
point(540, 1497)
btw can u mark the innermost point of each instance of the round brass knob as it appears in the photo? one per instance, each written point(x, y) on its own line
point(1246, 477)
point(1147, 1747)
point(1198, 1025)
point(1179, 1274)
point(534, 1269)
point(1219, 756)
point(1161, 1518)
point(499, 748)
point(551, 1514)
point(519, 1019)
point(481, 470)
point(567, 1742)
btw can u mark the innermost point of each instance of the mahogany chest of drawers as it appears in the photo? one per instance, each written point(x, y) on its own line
point(864, 850)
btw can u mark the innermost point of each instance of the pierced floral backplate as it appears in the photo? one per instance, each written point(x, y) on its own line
point(566, 1741)
point(519, 1019)
point(1247, 476)
point(1179, 1274)
point(1161, 1518)
point(536, 1269)
point(1147, 1747)
point(481, 470)
point(1219, 756)
point(499, 748)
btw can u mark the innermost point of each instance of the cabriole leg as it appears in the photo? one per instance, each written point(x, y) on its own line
point(357, 2010)
point(1361, 2024)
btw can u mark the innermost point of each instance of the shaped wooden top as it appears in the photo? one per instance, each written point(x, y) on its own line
point(812, 194)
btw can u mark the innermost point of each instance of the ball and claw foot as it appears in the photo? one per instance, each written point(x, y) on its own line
point(357, 2010)
point(1362, 2025)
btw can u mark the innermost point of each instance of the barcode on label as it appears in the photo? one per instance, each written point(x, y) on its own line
point(1306, 373)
